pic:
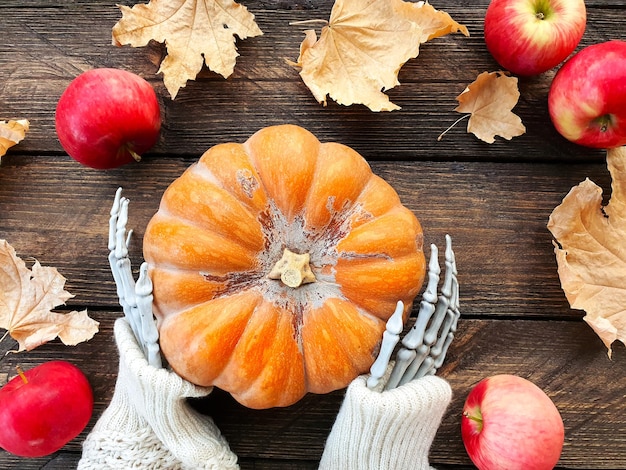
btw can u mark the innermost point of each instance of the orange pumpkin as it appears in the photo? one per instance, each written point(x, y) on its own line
point(275, 265)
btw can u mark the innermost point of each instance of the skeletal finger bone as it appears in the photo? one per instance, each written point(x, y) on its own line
point(404, 358)
point(115, 209)
point(415, 336)
point(135, 298)
point(426, 344)
point(149, 332)
point(437, 348)
point(121, 240)
point(432, 333)
point(390, 339)
point(453, 311)
point(441, 332)
point(420, 336)
point(410, 368)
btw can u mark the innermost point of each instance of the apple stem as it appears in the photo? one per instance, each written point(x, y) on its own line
point(540, 15)
point(21, 373)
point(477, 419)
point(452, 125)
point(135, 155)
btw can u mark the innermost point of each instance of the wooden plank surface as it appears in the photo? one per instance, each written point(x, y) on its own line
point(494, 200)
point(495, 212)
point(267, 90)
point(563, 357)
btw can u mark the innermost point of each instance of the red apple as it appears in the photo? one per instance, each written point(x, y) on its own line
point(44, 408)
point(509, 423)
point(529, 37)
point(587, 98)
point(108, 117)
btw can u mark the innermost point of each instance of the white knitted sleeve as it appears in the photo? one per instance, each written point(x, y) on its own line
point(149, 424)
point(393, 429)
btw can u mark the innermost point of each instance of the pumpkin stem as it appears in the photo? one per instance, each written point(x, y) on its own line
point(293, 269)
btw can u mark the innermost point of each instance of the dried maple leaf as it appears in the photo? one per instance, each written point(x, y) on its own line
point(359, 53)
point(194, 31)
point(434, 23)
point(591, 251)
point(489, 101)
point(26, 302)
point(364, 45)
point(11, 133)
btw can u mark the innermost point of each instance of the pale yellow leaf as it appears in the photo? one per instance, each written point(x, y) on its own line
point(590, 251)
point(359, 53)
point(489, 100)
point(434, 23)
point(196, 32)
point(11, 133)
point(27, 299)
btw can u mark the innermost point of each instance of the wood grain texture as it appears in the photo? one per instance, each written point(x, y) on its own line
point(553, 354)
point(495, 212)
point(266, 90)
point(494, 200)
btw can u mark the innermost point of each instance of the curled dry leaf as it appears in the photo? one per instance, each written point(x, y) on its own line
point(359, 53)
point(489, 101)
point(11, 133)
point(590, 251)
point(362, 48)
point(26, 302)
point(194, 31)
point(434, 23)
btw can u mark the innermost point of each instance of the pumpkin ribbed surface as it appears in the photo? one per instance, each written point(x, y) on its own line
point(243, 211)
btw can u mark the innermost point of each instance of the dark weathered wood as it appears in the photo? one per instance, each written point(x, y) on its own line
point(265, 89)
point(566, 359)
point(494, 200)
point(552, 354)
point(495, 212)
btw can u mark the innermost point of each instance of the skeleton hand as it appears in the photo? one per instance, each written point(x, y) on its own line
point(425, 346)
point(149, 422)
point(394, 427)
point(135, 298)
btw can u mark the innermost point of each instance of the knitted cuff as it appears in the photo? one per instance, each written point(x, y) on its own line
point(121, 438)
point(392, 429)
point(115, 450)
point(151, 402)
